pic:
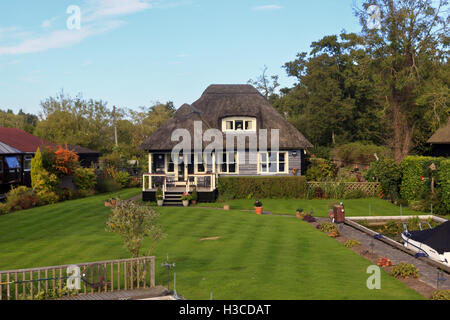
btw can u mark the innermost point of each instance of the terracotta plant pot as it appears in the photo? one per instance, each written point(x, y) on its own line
point(299, 214)
point(226, 207)
point(259, 210)
point(186, 203)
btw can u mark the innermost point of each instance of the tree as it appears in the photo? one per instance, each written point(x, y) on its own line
point(333, 101)
point(407, 53)
point(265, 84)
point(134, 223)
point(86, 123)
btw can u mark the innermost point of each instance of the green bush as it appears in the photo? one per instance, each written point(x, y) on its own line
point(359, 153)
point(352, 243)
point(122, 178)
point(20, 198)
point(416, 172)
point(321, 170)
point(388, 173)
point(261, 187)
point(107, 185)
point(405, 270)
point(441, 295)
point(354, 194)
point(443, 173)
point(85, 179)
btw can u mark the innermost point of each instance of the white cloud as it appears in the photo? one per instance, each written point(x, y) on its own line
point(268, 7)
point(97, 18)
point(58, 39)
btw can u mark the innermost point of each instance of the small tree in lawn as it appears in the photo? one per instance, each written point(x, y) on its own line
point(134, 223)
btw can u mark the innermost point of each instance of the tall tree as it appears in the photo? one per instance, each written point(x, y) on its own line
point(408, 53)
point(265, 84)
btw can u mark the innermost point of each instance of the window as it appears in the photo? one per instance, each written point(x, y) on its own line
point(200, 164)
point(158, 163)
point(273, 162)
point(170, 165)
point(27, 163)
point(12, 162)
point(229, 162)
point(239, 124)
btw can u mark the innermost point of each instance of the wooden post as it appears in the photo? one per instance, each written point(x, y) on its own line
point(152, 272)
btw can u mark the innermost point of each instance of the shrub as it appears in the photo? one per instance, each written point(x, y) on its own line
point(354, 194)
point(441, 295)
point(258, 204)
point(405, 270)
point(195, 194)
point(261, 187)
point(321, 170)
point(66, 161)
point(327, 227)
point(388, 173)
point(416, 182)
point(134, 223)
point(359, 153)
point(352, 243)
point(85, 179)
point(384, 262)
point(122, 179)
point(444, 184)
point(107, 185)
point(43, 182)
point(21, 198)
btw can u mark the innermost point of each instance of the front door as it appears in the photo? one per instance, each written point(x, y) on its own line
point(181, 176)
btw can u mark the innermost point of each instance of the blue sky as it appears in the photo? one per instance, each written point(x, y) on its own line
point(132, 53)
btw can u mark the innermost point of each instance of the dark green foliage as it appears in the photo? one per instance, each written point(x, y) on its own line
point(354, 194)
point(359, 153)
point(105, 185)
point(388, 173)
point(443, 173)
point(321, 170)
point(261, 187)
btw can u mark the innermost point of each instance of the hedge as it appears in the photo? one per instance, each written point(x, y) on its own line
point(444, 183)
point(261, 187)
point(416, 180)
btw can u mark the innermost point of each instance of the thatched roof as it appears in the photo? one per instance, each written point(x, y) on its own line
point(221, 101)
point(442, 136)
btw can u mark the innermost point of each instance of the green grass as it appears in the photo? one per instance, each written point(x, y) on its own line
point(353, 207)
point(256, 257)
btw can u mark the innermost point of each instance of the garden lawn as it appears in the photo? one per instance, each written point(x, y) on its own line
point(256, 257)
point(353, 207)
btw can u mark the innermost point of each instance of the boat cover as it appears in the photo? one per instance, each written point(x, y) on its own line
point(437, 238)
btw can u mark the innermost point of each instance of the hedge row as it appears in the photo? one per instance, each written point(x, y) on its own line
point(261, 187)
point(417, 176)
point(444, 182)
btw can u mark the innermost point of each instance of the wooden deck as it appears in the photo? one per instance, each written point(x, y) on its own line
point(155, 293)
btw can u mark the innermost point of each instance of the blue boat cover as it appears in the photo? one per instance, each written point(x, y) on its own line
point(437, 238)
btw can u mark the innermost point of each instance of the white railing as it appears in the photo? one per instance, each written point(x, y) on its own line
point(148, 181)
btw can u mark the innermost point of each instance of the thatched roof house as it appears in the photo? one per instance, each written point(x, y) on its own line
point(441, 141)
point(223, 101)
point(238, 112)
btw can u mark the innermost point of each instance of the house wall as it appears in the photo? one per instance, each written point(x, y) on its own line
point(250, 167)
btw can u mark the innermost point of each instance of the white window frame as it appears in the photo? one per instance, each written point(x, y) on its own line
point(233, 120)
point(236, 163)
point(25, 159)
point(197, 163)
point(267, 162)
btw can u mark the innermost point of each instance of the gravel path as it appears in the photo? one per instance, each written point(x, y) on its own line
point(428, 273)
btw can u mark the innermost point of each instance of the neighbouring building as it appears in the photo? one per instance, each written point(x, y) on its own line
point(235, 110)
point(17, 149)
point(441, 141)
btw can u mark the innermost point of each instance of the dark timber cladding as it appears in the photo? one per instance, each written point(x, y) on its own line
point(221, 101)
point(441, 141)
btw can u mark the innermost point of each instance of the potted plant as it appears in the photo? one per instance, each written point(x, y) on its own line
point(194, 196)
point(258, 207)
point(226, 207)
point(186, 197)
point(299, 213)
point(159, 197)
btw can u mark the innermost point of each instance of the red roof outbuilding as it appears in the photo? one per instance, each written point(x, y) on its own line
point(21, 140)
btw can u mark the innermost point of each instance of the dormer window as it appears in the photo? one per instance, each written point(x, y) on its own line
point(236, 124)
